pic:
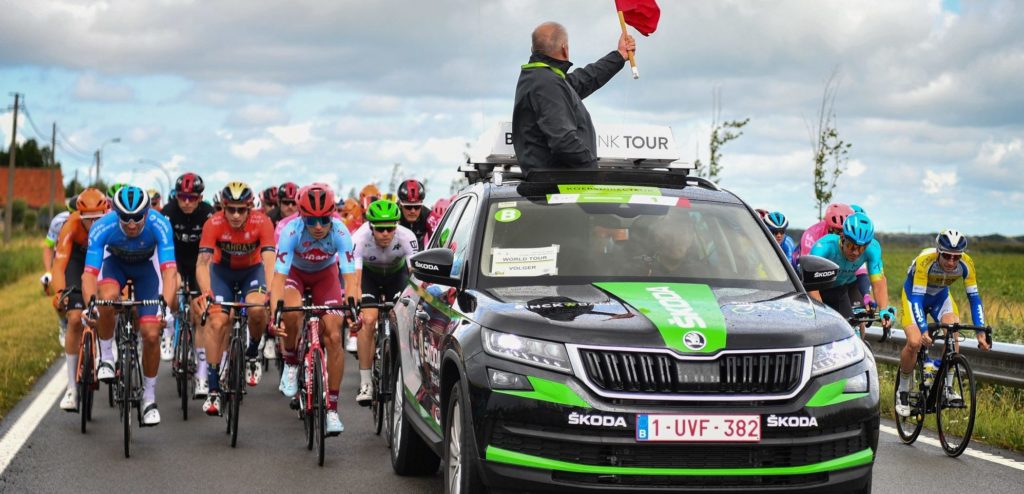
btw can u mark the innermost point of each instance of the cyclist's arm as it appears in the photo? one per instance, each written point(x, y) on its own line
point(918, 277)
point(347, 263)
point(48, 256)
point(165, 254)
point(98, 235)
point(277, 288)
point(60, 260)
point(203, 272)
point(268, 247)
point(971, 285)
point(879, 286)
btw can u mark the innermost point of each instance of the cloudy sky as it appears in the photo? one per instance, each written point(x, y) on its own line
point(931, 92)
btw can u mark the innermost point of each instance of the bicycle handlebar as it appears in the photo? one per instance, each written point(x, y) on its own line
point(281, 308)
point(936, 327)
point(230, 305)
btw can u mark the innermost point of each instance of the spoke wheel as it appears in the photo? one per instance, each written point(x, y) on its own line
point(955, 418)
point(910, 427)
point(235, 383)
point(319, 405)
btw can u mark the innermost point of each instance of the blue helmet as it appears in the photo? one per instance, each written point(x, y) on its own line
point(950, 241)
point(859, 228)
point(776, 222)
point(131, 203)
point(857, 209)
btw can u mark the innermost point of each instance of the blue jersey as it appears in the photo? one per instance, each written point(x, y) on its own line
point(829, 248)
point(106, 234)
point(789, 249)
point(926, 279)
point(298, 248)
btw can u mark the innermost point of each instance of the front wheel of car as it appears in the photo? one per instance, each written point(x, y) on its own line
point(461, 474)
point(410, 454)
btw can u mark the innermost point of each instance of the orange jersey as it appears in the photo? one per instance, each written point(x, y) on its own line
point(72, 241)
point(238, 248)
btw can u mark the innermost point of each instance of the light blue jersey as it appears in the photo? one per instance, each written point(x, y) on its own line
point(297, 248)
point(829, 248)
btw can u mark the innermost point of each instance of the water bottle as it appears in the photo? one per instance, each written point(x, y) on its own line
point(930, 368)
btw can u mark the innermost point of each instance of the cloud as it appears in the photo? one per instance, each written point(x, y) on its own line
point(91, 88)
point(938, 183)
point(255, 115)
point(293, 135)
point(252, 148)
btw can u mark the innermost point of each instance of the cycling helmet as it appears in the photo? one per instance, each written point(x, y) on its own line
point(859, 228)
point(381, 211)
point(950, 241)
point(189, 183)
point(131, 203)
point(91, 203)
point(761, 212)
point(216, 201)
point(269, 196)
point(410, 193)
point(236, 192)
point(389, 197)
point(437, 212)
point(71, 204)
point(857, 209)
point(835, 215)
point(776, 221)
point(369, 190)
point(114, 187)
point(288, 190)
point(316, 200)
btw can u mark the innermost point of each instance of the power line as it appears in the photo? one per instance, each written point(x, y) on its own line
point(68, 142)
point(32, 123)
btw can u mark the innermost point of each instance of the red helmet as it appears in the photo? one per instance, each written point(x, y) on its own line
point(189, 183)
point(288, 190)
point(269, 196)
point(835, 215)
point(316, 200)
point(410, 193)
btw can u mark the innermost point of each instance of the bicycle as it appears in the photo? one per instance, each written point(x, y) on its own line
point(127, 386)
point(85, 375)
point(954, 415)
point(235, 367)
point(312, 396)
point(184, 362)
point(380, 369)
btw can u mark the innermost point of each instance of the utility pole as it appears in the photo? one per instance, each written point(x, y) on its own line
point(53, 168)
point(97, 176)
point(9, 208)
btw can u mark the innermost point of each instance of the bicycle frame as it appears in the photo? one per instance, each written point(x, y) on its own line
point(950, 333)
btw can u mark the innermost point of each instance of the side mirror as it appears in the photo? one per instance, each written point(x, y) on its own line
point(817, 273)
point(434, 266)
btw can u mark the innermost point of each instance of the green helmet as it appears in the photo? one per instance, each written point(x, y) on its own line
point(114, 187)
point(382, 211)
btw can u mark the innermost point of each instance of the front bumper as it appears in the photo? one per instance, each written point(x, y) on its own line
point(525, 439)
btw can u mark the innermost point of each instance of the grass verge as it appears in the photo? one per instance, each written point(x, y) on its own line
point(20, 257)
point(999, 420)
point(28, 338)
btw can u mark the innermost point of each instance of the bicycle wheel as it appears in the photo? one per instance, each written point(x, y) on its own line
point(236, 382)
point(127, 369)
point(955, 417)
point(910, 427)
point(376, 378)
point(85, 380)
point(305, 403)
point(319, 405)
point(180, 368)
point(387, 370)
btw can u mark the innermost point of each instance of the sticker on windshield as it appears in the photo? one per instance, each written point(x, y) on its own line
point(507, 215)
point(613, 194)
point(537, 261)
point(507, 204)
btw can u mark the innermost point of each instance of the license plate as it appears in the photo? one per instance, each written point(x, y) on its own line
point(698, 428)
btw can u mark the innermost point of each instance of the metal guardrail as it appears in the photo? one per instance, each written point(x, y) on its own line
point(1003, 364)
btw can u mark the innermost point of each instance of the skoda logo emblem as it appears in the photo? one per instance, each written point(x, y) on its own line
point(694, 340)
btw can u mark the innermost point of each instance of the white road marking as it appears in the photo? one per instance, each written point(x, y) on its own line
point(981, 455)
point(29, 420)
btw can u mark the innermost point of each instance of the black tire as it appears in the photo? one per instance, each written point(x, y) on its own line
point(319, 405)
point(126, 400)
point(956, 421)
point(461, 462)
point(182, 354)
point(376, 401)
point(236, 382)
point(85, 380)
point(410, 454)
point(306, 410)
point(386, 391)
point(910, 427)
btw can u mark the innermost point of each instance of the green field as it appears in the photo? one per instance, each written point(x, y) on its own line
point(1000, 281)
point(28, 330)
point(22, 256)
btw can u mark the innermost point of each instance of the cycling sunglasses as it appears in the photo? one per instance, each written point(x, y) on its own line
point(384, 229)
point(188, 197)
point(132, 218)
point(951, 257)
point(412, 207)
point(853, 245)
point(239, 210)
point(314, 221)
point(287, 203)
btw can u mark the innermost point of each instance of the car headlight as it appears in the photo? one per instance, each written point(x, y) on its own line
point(836, 355)
point(530, 351)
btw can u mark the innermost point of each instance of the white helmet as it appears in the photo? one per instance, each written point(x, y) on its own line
point(950, 241)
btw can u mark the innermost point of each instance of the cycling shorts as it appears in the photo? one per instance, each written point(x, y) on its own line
point(376, 285)
point(73, 275)
point(225, 281)
point(144, 277)
point(937, 306)
point(323, 284)
point(841, 298)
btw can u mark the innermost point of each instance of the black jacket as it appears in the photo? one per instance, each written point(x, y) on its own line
point(550, 126)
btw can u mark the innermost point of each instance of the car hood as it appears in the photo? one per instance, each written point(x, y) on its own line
point(660, 315)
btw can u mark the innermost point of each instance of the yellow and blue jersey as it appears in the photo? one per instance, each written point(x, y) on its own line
point(926, 280)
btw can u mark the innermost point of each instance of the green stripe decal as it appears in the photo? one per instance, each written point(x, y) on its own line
point(832, 394)
point(550, 391)
point(598, 193)
point(499, 455)
point(677, 310)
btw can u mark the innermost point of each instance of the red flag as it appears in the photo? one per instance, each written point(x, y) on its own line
point(643, 15)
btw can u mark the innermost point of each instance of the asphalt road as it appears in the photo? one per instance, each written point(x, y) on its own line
point(195, 456)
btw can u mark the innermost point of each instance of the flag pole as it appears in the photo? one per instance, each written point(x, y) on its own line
point(632, 61)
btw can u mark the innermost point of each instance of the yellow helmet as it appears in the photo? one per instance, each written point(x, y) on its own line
point(236, 192)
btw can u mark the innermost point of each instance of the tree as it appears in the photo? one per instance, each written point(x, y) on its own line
point(30, 155)
point(830, 151)
point(721, 133)
point(74, 187)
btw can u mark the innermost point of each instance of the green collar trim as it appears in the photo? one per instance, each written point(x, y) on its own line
point(538, 65)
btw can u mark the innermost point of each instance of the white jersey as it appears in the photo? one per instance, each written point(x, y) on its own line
point(383, 260)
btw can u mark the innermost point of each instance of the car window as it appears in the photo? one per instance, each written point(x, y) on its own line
point(444, 230)
point(462, 238)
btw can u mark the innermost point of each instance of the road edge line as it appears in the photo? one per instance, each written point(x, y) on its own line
point(26, 424)
point(981, 455)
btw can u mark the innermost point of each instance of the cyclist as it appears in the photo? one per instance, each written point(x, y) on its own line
point(68, 265)
point(851, 249)
point(268, 199)
point(131, 236)
point(56, 224)
point(410, 198)
point(381, 249)
point(286, 207)
point(835, 214)
point(368, 194)
point(436, 213)
point(352, 214)
point(310, 253)
point(926, 292)
point(154, 199)
point(777, 223)
point(236, 252)
point(187, 214)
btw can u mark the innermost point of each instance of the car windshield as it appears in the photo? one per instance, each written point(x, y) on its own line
point(545, 241)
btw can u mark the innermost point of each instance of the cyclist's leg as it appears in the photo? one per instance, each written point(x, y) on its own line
point(327, 291)
point(73, 314)
point(112, 278)
point(948, 314)
point(853, 292)
point(221, 283)
point(908, 357)
point(256, 293)
point(147, 287)
point(838, 298)
point(293, 290)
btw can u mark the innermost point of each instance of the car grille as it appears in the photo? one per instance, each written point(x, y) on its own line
point(663, 374)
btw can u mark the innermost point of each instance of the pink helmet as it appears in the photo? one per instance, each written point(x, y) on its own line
point(835, 215)
point(437, 212)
